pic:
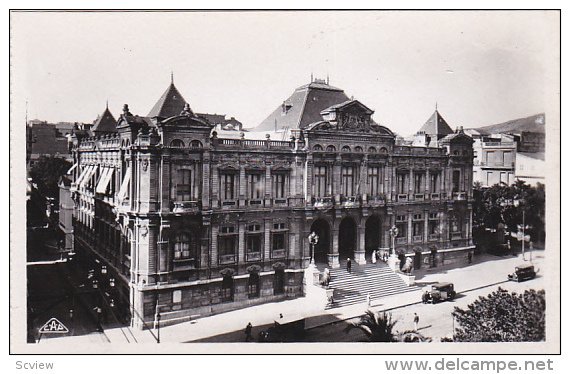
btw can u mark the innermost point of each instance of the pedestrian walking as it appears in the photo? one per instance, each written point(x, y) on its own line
point(349, 265)
point(248, 336)
point(470, 257)
point(374, 257)
point(416, 321)
point(368, 299)
point(99, 312)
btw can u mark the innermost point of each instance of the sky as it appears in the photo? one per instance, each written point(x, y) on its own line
point(479, 67)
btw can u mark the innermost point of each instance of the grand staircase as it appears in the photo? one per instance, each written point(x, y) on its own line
point(377, 279)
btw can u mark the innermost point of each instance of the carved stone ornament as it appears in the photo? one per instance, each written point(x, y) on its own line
point(145, 165)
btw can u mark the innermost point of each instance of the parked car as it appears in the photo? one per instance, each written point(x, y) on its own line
point(438, 292)
point(522, 273)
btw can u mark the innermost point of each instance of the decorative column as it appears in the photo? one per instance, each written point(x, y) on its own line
point(267, 186)
point(426, 225)
point(333, 251)
point(360, 252)
point(241, 242)
point(242, 185)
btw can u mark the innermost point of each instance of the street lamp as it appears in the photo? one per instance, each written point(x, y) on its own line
point(393, 234)
point(521, 228)
point(158, 327)
point(313, 240)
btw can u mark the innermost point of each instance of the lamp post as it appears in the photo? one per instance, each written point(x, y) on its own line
point(158, 327)
point(313, 240)
point(393, 262)
point(522, 227)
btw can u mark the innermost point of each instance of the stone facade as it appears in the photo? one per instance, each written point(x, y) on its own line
point(188, 223)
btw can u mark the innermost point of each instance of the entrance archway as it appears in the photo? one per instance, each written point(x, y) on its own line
point(417, 259)
point(346, 238)
point(372, 235)
point(322, 229)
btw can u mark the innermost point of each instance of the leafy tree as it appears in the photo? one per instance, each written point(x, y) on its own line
point(498, 204)
point(378, 327)
point(46, 173)
point(503, 316)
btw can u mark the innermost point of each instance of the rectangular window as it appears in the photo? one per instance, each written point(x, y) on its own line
point(456, 179)
point(374, 180)
point(321, 185)
point(227, 245)
point(418, 228)
point(418, 182)
point(433, 227)
point(279, 226)
point(434, 182)
point(402, 183)
point(348, 180)
point(504, 179)
point(278, 242)
point(507, 158)
point(253, 285)
point(228, 186)
point(253, 243)
point(279, 185)
point(183, 186)
point(490, 157)
point(254, 186)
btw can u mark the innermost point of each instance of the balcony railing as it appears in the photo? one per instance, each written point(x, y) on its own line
point(456, 235)
point(433, 237)
point(280, 201)
point(459, 196)
point(376, 201)
point(278, 253)
point(350, 202)
point(323, 203)
point(401, 240)
point(229, 203)
point(255, 202)
point(403, 197)
point(435, 196)
point(253, 256)
point(185, 206)
point(419, 196)
point(417, 238)
point(227, 259)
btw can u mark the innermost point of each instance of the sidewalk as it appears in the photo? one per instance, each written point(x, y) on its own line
point(485, 271)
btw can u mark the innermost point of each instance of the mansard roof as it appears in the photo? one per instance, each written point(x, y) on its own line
point(303, 107)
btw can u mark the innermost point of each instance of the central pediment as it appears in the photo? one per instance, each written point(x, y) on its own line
point(349, 117)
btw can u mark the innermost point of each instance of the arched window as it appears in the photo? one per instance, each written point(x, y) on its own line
point(372, 150)
point(383, 150)
point(227, 288)
point(317, 148)
point(253, 285)
point(358, 149)
point(177, 143)
point(196, 144)
point(345, 148)
point(331, 148)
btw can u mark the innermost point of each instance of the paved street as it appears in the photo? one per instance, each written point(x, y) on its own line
point(480, 278)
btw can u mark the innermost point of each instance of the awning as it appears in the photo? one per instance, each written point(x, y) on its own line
point(88, 176)
point(103, 180)
point(82, 175)
point(71, 169)
point(123, 191)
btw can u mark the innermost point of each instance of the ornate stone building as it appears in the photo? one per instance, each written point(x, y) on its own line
point(190, 223)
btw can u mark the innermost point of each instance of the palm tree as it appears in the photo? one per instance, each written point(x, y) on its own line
point(378, 327)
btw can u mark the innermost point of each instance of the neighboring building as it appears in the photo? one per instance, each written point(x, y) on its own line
point(495, 157)
point(431, 132)
point(66, 207)
point(44, 139)
point(498, 150)
point(189, 222)
point(531, 167)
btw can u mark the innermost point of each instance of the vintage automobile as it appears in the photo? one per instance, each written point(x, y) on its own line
point(438, 292)
point(284, 331)
point(522, 273)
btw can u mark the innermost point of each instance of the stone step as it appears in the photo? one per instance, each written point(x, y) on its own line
point(376, 280)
